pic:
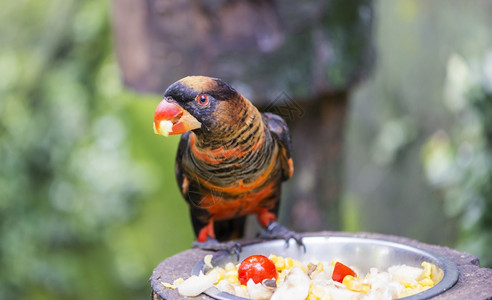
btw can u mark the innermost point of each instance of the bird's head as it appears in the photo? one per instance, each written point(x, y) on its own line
point(198, 103)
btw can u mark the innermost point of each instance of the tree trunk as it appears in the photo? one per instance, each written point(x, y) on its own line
point(314, 191)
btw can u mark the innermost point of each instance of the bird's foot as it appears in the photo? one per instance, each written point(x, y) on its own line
point(211, 244)
point(276, 231)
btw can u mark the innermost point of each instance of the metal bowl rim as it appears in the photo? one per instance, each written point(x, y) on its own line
point(449, 268)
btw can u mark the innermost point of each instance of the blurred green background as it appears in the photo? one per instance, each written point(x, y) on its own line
point(88, 200)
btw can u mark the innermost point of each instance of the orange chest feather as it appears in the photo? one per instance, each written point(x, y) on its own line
point(221, 154)
point(247, 203)
point(241, 187)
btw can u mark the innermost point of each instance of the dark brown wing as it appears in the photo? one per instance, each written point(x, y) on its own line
point(184, 185)
point(180, 175)
point(280, 132)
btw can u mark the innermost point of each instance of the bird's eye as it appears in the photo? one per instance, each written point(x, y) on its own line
point(202, 99)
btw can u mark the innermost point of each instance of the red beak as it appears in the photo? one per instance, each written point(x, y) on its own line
point(170, 118)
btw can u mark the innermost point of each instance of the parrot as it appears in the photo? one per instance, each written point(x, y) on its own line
point(231, 160)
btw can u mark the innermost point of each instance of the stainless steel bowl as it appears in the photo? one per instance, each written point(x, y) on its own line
point(361, 252)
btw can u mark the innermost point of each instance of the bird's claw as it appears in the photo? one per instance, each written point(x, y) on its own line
point(231, 247)
point(277, 231)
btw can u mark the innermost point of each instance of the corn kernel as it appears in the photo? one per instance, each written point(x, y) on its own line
point(221, 272)
point(411, 291)
point(436, 274)
point(289, 262)
point(229, 267)
point(231, 273)
point(427, 270)
point(280, 264)
point(232, 279)
point(426, 282)
point(312, 297)
point(354, 285)
point(348, 280)
point(168, 285)
point(409, 284)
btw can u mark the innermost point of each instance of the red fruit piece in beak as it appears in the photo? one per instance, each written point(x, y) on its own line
point(170, 118)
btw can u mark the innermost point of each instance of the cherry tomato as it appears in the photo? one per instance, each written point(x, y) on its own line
point(340, 271)
point(258, 268)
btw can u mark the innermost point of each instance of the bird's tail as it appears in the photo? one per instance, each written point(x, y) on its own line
point(231, 229)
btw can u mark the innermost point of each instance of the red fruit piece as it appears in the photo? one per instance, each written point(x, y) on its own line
point(340, 271)
point(258, 268)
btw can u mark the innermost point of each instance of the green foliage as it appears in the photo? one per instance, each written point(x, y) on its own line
point(418, 152)
point(88, 200)
point(459, 162)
